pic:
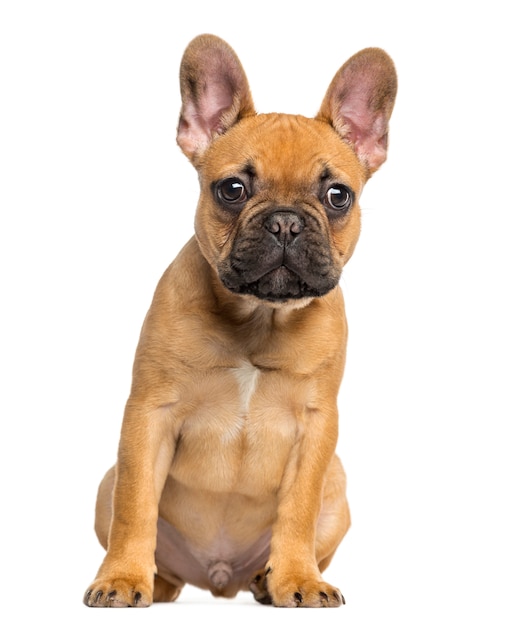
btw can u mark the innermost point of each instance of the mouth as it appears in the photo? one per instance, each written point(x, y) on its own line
point(278, 285)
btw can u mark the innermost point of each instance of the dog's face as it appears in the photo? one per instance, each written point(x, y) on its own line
point(278, 215)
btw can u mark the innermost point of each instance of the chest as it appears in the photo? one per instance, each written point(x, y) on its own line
point(237, 429)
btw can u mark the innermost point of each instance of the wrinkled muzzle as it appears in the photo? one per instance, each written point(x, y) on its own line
point(279, 255)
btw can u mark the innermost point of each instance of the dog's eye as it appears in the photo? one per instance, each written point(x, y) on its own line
point(231, 191)
point(338, 198)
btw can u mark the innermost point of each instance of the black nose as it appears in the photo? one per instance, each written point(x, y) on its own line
point(284, 225)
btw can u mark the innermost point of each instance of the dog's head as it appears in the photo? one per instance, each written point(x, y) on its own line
point(278, 215)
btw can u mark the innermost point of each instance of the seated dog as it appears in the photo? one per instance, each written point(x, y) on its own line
point(227, 476)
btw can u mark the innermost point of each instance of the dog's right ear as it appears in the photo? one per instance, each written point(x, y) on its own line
point(214, 91)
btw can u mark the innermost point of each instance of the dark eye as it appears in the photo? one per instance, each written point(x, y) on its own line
point(231, 191)
point(338, 198)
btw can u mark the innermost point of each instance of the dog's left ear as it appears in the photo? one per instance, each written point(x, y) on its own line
point(359, 103)
point(215, 93)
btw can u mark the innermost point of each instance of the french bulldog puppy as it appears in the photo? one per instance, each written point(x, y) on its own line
point(227, 476)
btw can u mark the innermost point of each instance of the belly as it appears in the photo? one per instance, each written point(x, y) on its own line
point(223, 566)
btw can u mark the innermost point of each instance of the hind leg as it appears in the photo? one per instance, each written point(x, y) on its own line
point(104, 507)
point(334, 520)
point(165, 591)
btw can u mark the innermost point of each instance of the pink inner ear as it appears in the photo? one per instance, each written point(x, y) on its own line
point(370, 145)
point(216, 99)
point(366, 130)
point(213, 102)
point(359, 123)
point(201, 119)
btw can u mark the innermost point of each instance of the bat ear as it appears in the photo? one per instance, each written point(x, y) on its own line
point(214, 91)
point(359, 103)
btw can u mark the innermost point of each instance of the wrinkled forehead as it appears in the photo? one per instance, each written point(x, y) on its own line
point(284, 149)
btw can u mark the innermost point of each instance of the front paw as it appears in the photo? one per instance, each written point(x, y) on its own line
point(292, 590)
point(119, 591)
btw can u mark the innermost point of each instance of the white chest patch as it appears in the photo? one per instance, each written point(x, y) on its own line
point(247, 376)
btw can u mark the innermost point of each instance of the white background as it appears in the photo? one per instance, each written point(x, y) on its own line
point(95, 201)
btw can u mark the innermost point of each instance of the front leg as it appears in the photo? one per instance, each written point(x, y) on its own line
point(126, 576)
point(292, 576)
